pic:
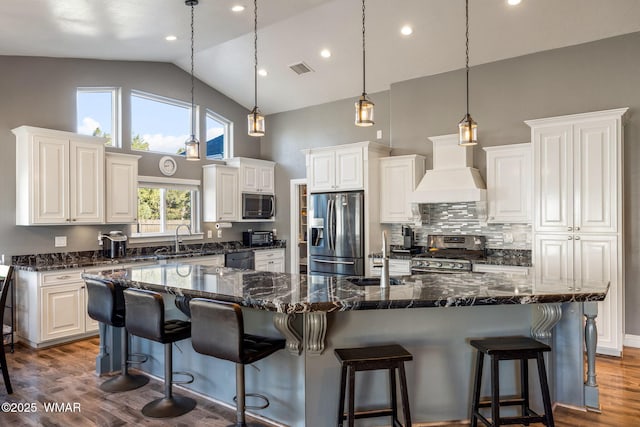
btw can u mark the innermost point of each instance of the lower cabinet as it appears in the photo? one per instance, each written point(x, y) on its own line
point(269, 260)
point(499, 268)
point(397, 267)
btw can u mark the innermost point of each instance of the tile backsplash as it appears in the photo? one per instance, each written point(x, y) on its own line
point(466, 218)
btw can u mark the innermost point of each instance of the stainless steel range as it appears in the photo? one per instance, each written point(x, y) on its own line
point(449, 254)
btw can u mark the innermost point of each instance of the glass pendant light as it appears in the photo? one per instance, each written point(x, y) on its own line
point(255, 120)
point(192, 144)
point(364, 106)
point(467, 127)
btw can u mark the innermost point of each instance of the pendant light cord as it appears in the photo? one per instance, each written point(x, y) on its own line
point(255, 53)
point(467, 51)
point(363, 51)
point(193, 106)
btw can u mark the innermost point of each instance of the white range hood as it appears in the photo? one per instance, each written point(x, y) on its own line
point(453, 177)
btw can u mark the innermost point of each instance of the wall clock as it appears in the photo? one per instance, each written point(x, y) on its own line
point(168, 166)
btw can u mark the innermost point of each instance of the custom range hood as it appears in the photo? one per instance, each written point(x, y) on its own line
point(452, 179)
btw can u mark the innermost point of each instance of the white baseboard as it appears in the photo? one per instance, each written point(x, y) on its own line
point(632, 340)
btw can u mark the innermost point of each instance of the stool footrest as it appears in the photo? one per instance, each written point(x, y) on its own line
point(256, 395)
point(515, 401)
point(142, 358)
point(186, 374)
point(372, 413)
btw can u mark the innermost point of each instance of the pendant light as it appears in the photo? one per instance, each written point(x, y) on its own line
point(192, 144)
point(255, 119)
point(467, 127)
point(364, 106)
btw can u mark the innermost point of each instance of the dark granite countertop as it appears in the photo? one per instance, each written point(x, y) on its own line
point(511, 257)
point(83, 259)
point(292, 293)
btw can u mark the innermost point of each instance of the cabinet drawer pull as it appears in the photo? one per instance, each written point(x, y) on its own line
point(577, 238)
point(570, 238)
point(569, 228)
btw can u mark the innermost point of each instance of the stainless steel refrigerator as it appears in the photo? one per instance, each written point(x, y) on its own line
point(336, 233)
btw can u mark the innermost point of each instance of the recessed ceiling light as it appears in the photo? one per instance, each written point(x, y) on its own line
point(325, 53)
point(171, 38)
point(406, 30)
point(513, 2)
point(237, 8)
point(262, 72)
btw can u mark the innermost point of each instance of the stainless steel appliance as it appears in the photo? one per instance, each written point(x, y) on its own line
point(448, 254)
point(258, 206)
point(244, 259)
point(407, 237)
point(257, 238)
point(336, 233)
point(114, 244)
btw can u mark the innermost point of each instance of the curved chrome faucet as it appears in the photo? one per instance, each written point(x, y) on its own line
point(384, 275)
point(178, 241)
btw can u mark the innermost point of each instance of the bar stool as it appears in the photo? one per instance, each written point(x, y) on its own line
point(510, 348)
point(391, 357)
point(218, 330)
point(106, 305)
point(145, 318)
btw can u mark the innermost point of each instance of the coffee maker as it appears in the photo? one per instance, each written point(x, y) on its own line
point(407, 237)
point(114, 244)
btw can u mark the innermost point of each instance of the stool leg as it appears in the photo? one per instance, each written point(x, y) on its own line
point(495, 391)
point(343, 385)
point(524, 383)
point(405, 395)
point(351, 419)
point(125, 381)
point(240, 396)
point(5, 370)
point(394, 397)
point(546, 398)
point(477, 383)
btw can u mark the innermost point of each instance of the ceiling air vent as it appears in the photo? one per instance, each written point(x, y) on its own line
point(301, 68)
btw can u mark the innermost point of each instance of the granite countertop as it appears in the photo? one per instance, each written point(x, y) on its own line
point(510, 257)
point(83, 259)
point(293, 293)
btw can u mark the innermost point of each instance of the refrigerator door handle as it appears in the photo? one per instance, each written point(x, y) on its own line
point(330, 207)
point(324, 261)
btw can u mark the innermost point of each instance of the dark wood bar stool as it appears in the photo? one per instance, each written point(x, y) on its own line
point(145, 318)
point(218, 331)
point(6, 276)
point(391, 357)
point(106, 305)
point(510, 348)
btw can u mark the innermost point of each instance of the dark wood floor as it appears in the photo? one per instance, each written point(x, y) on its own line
point(65, 374)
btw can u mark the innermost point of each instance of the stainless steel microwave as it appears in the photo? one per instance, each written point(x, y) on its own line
point(258, 206)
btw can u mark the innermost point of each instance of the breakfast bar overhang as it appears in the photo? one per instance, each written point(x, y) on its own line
point(432, 315)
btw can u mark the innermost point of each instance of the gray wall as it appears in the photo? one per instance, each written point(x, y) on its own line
point(589, 77)
point(41, 92)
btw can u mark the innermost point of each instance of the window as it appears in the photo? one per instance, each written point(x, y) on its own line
point(159, 124)
point(98, 113)
point(164, 204)
point(219, 136)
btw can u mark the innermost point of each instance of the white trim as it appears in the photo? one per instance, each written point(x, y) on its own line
point(294, 207)
point(632, 341)
point(163, 237)
point(167, 180)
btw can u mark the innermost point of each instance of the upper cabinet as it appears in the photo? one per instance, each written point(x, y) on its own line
point(509, 183)
point(121, 188)
point(59, 177)
point(255, 176)
point(577, 169)
point(220, 201)
point(399, 176)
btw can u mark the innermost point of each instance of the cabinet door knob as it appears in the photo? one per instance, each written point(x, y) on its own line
point(570, 238)
point(577, 238)
point(577, 228)
point(569, 228)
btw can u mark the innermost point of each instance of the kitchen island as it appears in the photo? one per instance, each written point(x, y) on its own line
point(432, 315)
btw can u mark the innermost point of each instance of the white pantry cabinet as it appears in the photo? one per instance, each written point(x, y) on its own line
point(269, 260)
point(255, 175)
point(399, 176)
point(509, 183)
point(221, 198)
point(121, 188)
point(577, 196)
point(59, 177)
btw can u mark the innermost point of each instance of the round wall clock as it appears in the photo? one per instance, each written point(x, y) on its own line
point(168, 166)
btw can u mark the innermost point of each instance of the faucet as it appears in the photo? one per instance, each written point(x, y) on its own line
point(178, 239)
point(384, 275)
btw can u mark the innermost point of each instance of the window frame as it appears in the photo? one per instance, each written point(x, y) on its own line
point(116, 110)
point(228, 133)
point(169, 101)
point(164, 184)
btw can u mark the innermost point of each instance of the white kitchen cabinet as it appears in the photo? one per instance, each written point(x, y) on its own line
point(269, 260)
point(397, 267)
point(221, 198)
point(577, 223)
point(498, 268)
point(62, 311)
point(336, 169)
point(121, 188)
point(255, 175)
point(59, 177)
point(509, 183)
point(399, 176)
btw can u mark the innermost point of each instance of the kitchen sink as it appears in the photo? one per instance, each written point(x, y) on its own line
point(372, 281)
